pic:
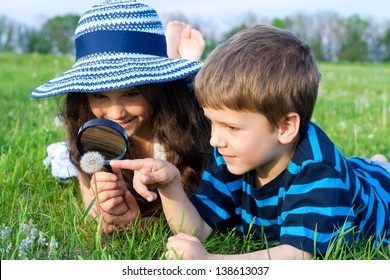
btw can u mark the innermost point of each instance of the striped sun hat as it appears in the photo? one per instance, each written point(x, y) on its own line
point(118, 44)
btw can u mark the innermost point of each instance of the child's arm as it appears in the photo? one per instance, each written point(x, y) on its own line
point(190, 248)
point(114, 203)
point(181, 215)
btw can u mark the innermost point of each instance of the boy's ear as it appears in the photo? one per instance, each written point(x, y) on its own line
point(289, 129)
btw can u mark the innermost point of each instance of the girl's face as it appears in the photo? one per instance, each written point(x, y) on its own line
point(247, 142)
point(127, 107)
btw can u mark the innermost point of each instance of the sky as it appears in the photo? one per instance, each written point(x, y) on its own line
point(35, 12)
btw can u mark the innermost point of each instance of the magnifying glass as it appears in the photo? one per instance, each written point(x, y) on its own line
point(105, 137)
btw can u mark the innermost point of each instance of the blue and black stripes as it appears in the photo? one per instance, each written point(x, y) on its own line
point(318, 198)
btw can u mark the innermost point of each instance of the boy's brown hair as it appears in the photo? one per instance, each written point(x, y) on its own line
point(264, 70)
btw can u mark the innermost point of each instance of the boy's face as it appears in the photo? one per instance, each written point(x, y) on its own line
point(245, 140)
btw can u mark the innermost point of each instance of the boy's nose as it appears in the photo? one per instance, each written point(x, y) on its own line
point(216, 140)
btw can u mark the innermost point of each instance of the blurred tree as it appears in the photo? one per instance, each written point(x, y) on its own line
point(304, 27)
point(280, 23)
point(331, 37)
point(354, 45)
point(60, 31)
point(32, 40)
point(301, 25)
point(211, 44)
point(316, 45)
point(247, 21)
point(329, 34)
point(384, 43)
point(233, 31)
point(6, 34)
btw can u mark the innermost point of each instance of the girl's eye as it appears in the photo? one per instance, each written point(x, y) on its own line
point(98, 96)
point(132, 93)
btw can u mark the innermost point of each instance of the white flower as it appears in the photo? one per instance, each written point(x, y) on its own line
point(53, 245)
point(91, 162)
point(5, 233)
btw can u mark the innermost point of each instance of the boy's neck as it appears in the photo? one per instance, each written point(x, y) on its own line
point(270, 171)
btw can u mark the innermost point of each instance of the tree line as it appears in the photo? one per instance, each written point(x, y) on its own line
point(332, 37)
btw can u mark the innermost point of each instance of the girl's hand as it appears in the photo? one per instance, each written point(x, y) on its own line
point(112, 222)
point(117, 206)
point(109, 190)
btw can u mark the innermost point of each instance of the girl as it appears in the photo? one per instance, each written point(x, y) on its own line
point(122, 73)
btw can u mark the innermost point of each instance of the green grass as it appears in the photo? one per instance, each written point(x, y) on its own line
point(41, 218)
point(353, 107)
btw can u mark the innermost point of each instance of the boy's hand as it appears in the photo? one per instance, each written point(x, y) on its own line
point(149, 173)
point(187, 247)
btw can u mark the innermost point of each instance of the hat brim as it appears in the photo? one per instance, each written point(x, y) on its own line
point(111, 71)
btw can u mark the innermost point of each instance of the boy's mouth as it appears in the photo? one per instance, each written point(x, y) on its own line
point(228, 157)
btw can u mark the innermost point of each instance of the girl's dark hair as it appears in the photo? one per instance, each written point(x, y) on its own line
point(177, 121)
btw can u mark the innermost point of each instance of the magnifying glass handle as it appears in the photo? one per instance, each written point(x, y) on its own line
point(108, 168)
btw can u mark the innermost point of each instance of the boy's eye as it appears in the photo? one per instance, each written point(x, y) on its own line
point(232, 128)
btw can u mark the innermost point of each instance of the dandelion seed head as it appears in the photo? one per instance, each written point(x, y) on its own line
point(91, 162)
point(343, 125)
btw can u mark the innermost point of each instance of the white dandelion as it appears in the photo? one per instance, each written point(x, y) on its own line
point(92, 162)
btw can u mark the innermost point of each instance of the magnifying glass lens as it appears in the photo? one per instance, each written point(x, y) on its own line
point(104, 140)
point(102, 136)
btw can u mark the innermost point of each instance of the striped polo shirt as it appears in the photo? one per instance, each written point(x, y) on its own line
point(320, 197)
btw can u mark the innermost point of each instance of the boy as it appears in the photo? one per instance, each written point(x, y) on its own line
point(274, 174)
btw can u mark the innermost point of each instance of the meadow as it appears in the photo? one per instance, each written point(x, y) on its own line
point(42, 218)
